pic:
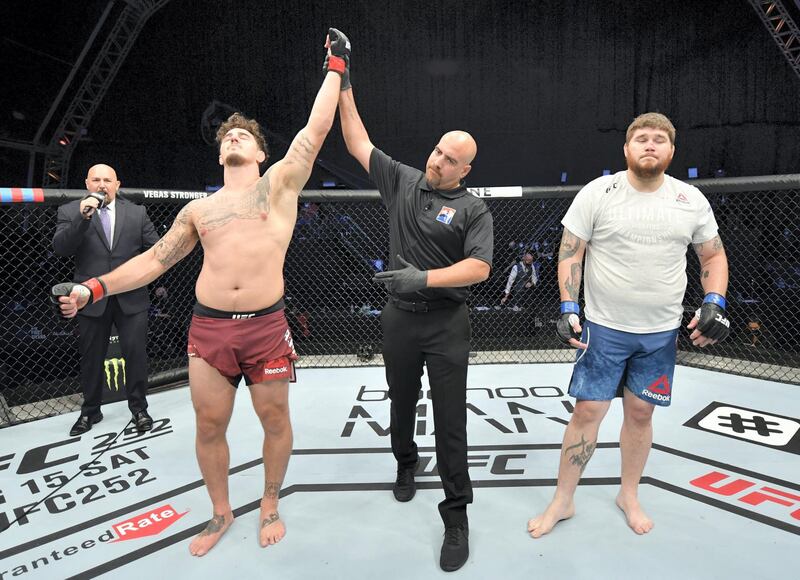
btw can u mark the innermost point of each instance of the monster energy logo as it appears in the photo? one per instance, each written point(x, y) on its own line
point(116, 365)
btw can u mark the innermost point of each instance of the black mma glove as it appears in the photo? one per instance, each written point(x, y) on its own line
point(713, 322)
point(403, 281)
point(94, 288)
point(339, 59)
point(569, 315)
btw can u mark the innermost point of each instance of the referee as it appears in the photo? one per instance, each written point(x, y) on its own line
point(441, 240)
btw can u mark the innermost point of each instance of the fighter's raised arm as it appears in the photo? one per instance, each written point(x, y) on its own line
point(292, 172)
point(136, 272)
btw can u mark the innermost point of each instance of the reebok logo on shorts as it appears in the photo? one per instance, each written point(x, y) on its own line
point(659, 389)
point(280, 368)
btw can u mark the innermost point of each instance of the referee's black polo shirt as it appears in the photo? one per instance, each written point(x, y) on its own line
point(430, 228)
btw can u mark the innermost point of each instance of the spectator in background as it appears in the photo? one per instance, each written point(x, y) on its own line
point(522, 278)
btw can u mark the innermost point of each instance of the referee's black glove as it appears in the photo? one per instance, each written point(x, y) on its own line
point(403, 281)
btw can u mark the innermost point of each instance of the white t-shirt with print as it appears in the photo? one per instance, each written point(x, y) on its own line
point(635, 264)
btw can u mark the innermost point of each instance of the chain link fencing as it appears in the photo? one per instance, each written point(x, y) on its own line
point(333, 308)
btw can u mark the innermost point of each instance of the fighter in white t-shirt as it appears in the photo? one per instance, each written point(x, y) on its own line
point(633, 228)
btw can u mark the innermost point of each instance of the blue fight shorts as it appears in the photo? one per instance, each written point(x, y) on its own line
point(644, 363)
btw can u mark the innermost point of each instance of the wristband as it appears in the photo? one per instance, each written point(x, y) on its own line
point(336, 64)
point(97, 287)
point(717, 299)
point(569, 306)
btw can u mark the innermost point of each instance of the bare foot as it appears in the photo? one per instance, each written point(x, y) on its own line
point(637, 519)
point(207, 539)
point(555, 512)
point(272, 528)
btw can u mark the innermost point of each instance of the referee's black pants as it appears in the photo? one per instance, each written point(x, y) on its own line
point(439, 339)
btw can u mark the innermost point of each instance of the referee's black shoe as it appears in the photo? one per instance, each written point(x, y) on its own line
point(455, 548)
point(404, 486)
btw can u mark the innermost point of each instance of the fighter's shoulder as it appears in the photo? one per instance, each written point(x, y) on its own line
point(276, 180)
point(196, 207)
point(685, 192)
point(602, 185)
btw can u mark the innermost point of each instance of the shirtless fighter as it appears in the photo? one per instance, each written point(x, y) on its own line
point(238, 327)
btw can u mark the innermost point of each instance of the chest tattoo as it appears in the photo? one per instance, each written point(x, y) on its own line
point(253, 205)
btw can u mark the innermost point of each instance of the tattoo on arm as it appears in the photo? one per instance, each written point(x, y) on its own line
point(177, 242)
point(582, 454)
point(302, 151)
point(715, 244)
point(704, 274)
point(272, 489)
point(573, 283)
point(570, 244)
point(214, 525)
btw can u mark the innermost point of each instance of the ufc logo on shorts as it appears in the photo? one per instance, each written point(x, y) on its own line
point(240, 316)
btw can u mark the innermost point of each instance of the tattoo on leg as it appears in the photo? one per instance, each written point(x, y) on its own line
point(583, 453)
point(214, 525)
point(270, 519)
point(272, 489)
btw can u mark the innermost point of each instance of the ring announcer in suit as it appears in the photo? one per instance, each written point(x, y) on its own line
point(102, 231)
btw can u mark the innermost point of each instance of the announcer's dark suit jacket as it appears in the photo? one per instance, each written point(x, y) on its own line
point(133, 234)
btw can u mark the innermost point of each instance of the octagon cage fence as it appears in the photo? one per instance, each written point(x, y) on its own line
point(333, 308)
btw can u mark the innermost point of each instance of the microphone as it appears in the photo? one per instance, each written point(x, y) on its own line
point(101, 199)
point(428, 206)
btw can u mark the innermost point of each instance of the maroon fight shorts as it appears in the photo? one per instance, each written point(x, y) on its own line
point(257, 345)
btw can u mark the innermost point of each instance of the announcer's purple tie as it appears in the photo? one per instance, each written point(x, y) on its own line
point(105, 220)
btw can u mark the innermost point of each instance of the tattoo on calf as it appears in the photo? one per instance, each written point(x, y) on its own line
point(270, 519)
point(272, 489)
point(214, 525)
point(582, 454)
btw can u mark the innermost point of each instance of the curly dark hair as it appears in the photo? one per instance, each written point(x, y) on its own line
point(239, 121)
